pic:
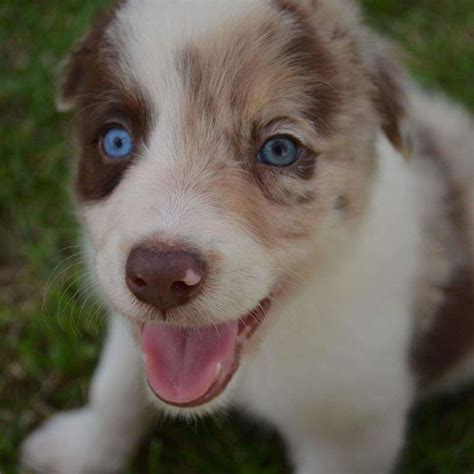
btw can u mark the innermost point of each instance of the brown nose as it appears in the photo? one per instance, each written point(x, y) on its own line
point(164, 279)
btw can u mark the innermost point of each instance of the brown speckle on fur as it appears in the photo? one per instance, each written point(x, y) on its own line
point(342, 203)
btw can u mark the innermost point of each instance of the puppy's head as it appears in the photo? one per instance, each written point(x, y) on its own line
point(226, 150)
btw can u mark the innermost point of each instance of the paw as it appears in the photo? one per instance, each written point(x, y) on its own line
point(73, 443)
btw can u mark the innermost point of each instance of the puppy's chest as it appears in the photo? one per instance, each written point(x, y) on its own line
point(325, 358)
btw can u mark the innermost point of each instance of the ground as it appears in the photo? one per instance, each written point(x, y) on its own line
point(51, 327)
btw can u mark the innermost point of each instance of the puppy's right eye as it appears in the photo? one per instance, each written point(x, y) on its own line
point(117, 143)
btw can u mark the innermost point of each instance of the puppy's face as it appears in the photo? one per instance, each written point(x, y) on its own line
point(225, 151)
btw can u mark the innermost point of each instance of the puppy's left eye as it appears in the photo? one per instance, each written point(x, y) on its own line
point(278, 151)
point(117, 143)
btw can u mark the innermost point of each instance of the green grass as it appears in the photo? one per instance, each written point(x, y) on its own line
point(51, 329)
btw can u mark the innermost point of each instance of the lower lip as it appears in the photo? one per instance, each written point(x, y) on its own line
point(248, 325)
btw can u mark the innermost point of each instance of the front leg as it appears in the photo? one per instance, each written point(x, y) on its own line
point(100, 437)
point(369, 449)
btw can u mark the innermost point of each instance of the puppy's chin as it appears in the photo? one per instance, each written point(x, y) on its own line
point(216, 405)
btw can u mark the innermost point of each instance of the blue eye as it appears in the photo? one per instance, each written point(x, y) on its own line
point(278, 151)
point(117, 143)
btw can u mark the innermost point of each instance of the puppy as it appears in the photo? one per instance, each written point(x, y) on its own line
point(278, 220)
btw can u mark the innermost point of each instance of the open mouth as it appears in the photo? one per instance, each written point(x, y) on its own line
point(188, 367)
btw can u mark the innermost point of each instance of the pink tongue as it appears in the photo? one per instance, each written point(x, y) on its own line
point(182, 364)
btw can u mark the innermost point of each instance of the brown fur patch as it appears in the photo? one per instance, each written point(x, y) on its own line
point(291, 72)
point(389, 97)
point(80, 66)
point(91, 85)
point(97, 175)
point(451, 336)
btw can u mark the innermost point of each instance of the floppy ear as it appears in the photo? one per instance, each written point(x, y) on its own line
point(80, 68)
point(74, 77)
point(389, 93)
point(342, 20)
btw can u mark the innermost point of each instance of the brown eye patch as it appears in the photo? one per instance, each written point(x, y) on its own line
point(94, 85)
point(98, 175)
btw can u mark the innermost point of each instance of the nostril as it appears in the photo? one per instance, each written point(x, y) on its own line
point(139, 282)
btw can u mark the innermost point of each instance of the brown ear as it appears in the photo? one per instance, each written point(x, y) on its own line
point(81, 66)
point(389, 93)
point(74, 77)
point(342, 20)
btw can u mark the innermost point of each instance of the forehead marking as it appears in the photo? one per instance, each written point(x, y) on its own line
point(277, 59)
point(234, 88)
